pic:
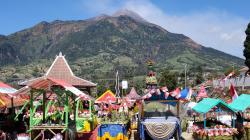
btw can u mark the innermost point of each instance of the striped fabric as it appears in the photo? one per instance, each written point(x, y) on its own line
point(4, 88)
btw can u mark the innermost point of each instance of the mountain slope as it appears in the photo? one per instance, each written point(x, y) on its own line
point(98, 46)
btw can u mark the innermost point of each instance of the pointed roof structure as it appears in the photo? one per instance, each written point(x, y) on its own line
point(202, 93)
point(60, 70)
point(106, 97)
point(133, 94)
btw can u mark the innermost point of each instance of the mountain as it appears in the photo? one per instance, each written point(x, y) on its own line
point(98, 46)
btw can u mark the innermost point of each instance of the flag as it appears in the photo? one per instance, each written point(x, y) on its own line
point(176, 93)
point(190, 92)
point(233, 92)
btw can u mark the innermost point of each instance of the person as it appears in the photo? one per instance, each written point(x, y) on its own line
point(239, 126)
point(2, 135)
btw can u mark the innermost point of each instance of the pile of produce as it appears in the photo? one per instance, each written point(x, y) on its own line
point(217, 130)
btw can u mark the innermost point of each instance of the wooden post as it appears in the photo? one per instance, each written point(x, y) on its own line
point(178, 109)
point(233, 120)
point(44, 105)
point(31, 113)
point(67, 116)
point(204, 117)
point(77, 108)
point(12, 105)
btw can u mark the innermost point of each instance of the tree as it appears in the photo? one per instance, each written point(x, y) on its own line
point(168, 78)
point(247, 47)
point(199, 75)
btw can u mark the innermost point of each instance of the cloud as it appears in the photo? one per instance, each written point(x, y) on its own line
point(212, 28)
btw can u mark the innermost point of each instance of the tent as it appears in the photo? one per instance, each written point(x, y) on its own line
point(202, 93)
point(106, 97)
point(133, 94)
point(241, 103)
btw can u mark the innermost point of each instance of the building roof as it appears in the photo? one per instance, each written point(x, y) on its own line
point(106, 97)
point(244, 69)
point(6, 92)
point(5, 101)
point(133, 94)
point(47, 83)
point(241, 103)
point(4, 88)
point(207, 104)
point(60, 70)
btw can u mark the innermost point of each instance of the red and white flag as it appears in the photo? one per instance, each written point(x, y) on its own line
point(176, 93)
point(233, 92)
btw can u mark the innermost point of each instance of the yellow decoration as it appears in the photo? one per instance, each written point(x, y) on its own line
point(106, 135)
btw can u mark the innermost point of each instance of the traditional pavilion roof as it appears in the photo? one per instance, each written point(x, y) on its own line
point(133, 94)
point(106, 97)
point(47, 83)
point(60, 70)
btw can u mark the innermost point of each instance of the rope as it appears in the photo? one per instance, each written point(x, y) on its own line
point(160, 131)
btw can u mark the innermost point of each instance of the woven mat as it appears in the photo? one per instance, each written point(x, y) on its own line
point(160, 131)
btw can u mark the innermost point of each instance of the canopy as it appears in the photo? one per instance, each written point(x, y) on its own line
point(133, 94)
point(4, 88)
point(207, 104)
point(241, 103)
point(46, 83)
point(6, 92)
point(106, 97)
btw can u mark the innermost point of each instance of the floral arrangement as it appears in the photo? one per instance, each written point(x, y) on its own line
point(218, 130)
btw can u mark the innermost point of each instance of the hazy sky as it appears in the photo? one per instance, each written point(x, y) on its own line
point(213, 23)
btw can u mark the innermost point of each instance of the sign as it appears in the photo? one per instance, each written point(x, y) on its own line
point(124, 84)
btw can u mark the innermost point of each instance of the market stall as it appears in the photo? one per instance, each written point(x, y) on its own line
point(242, 105)
point(211, 127)
point(52, 103)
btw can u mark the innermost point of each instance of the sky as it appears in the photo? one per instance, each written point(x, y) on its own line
point(219, 24)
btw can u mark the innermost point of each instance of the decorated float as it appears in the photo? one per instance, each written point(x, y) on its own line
point(212, 127)
point(159, 118)
point(55, 104)
point(114, 119)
